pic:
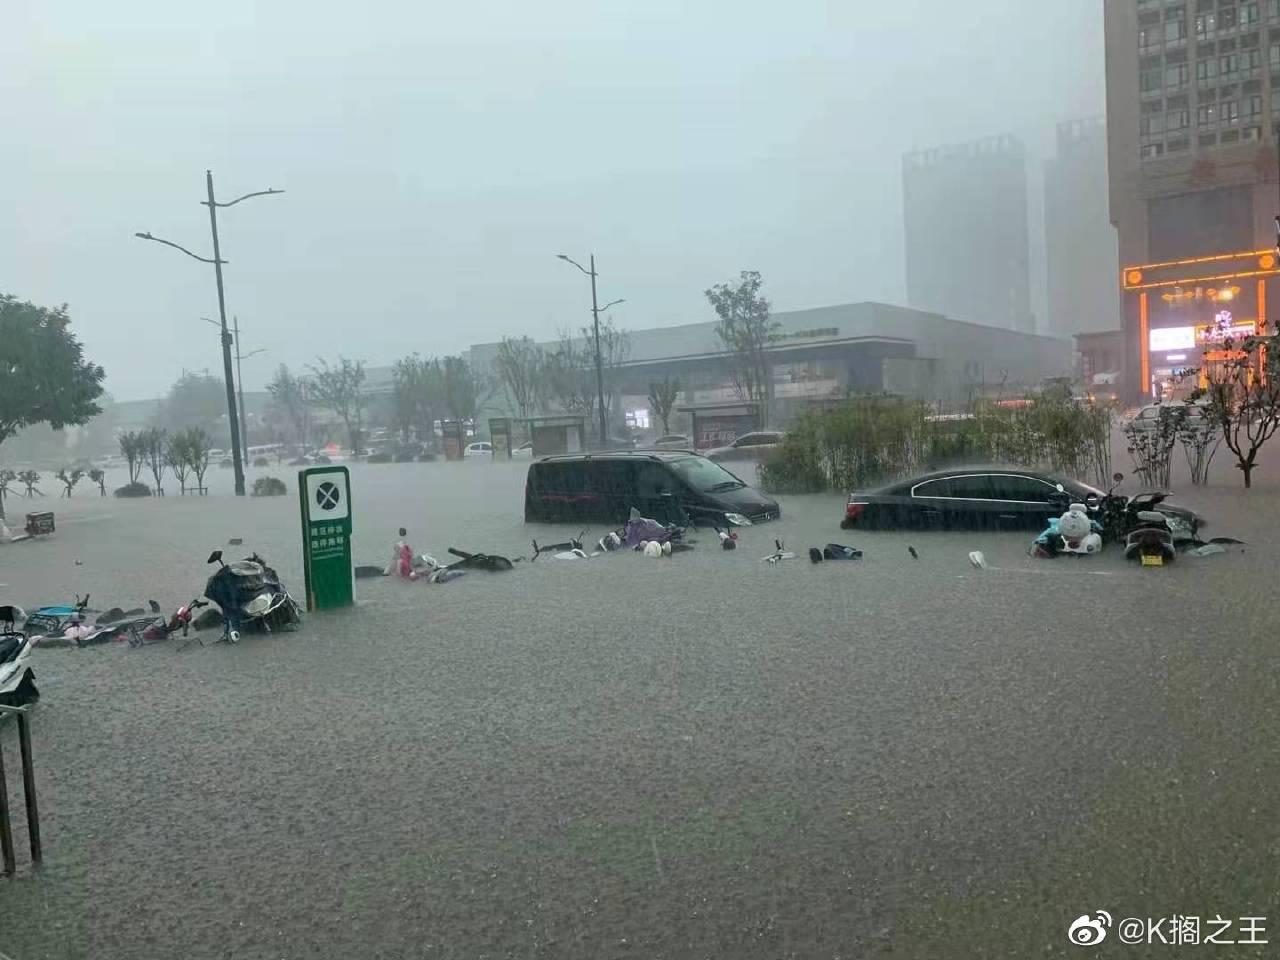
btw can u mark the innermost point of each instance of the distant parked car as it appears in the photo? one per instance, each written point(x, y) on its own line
point(673, 441)
point(1147, 420)
point(750, 446)
point(524, 451)
point(479, 449)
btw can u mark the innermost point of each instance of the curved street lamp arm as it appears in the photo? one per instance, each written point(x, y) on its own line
point(170, 243)
point(611, 303)
point(232, 203)
point(561, 256)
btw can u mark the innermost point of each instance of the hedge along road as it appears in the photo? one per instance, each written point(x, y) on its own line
point(699, 756)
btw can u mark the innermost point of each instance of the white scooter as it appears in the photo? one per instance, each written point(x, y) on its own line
point(17, 680)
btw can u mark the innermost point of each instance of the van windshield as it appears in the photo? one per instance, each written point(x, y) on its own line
point(705, 475)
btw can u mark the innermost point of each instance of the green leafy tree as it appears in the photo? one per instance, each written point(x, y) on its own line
point(69, 480)
point(519, 367)
point(746, 328)
point(154, 446)
point(44, 377)
point(196, 400)
point(1243, 396)
point(340, 388)
point(31, 480)
point(177, 459)
point(569, 371)
point(462, 388)
point(133, 449)
point(289, 396)
point(418, 393)
point(195, 444)
point(6, 480)
point(662, 400)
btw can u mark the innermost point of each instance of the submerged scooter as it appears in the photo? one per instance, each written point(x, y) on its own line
point(17, 680)
point(251, 597)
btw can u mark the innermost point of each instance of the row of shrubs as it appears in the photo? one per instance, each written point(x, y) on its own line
point(869, 440)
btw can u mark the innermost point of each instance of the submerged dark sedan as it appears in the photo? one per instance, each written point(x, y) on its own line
point(975, 497)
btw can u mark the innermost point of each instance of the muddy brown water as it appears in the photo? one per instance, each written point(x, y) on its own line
point(705, 756)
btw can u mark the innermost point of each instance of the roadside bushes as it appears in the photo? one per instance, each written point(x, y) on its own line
point(269, 487)
point(133, 489)
point(870, 440)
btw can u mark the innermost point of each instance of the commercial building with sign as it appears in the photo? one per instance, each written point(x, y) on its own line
point(1193, 101)
point(1187, 312)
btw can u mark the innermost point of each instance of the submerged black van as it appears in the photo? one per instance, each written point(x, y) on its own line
point(668, 486)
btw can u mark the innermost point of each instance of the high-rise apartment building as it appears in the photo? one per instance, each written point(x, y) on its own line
point(965, 220)
point(1080, 242)
point(1193, 109)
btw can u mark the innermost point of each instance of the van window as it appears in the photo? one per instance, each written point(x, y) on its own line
point(705, 475)
point(559, 478)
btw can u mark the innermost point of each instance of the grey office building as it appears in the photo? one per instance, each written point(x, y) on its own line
point(965, 222)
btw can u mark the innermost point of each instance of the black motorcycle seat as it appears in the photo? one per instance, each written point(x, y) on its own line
point(10, 644)
point(1152, 516)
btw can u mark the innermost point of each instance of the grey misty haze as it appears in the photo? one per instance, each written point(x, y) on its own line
point(437, 157)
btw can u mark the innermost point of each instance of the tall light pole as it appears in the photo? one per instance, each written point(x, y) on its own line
point(595, 321)
point(244, 422)
point(217, 261)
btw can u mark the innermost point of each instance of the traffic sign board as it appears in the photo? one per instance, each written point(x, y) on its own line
point(325, 497)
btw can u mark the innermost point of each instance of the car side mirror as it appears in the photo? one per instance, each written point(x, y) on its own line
point(1117, 477)
point(215, 557)
point(1092, 501)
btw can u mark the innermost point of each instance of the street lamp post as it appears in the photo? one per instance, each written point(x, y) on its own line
point(595, 322)
point(244, 422)
point(217, 261)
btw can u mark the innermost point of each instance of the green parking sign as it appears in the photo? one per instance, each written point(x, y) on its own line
point(325, 495)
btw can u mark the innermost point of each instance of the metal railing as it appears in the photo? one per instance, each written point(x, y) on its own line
point(10, 862)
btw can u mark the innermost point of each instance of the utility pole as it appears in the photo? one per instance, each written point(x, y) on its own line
point(595, 323)
point(237, 457)
point(233, 418)
point(244, 423)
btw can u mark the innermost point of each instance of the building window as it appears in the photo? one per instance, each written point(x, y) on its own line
point(1176, 75)
point(1229, 111)
point(1252, 62)
point(1251, 134)
point(1178, 119)
point(1208, 139)
point(1275, 53)
point(1273, 10)
point(1150, 150)
point(1207, 26)
point(1229, 67)
point(1207, 114)
point(1249, 13)
point(1149, 80)
point(1230, 136)
point(1207, 70)
point(1177, 146)
point(1152, 126)
point(1253, 107)
point(1175, 26)
point(1227, 19)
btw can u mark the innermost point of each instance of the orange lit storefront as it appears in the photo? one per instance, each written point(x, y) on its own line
point(1178, 314)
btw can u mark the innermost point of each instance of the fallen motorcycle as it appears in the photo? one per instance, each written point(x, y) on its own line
point(251, 597)
point(17, 680)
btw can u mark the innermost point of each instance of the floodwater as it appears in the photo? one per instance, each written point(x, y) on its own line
point(703, 756)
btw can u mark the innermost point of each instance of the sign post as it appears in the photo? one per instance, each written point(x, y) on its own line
point(325, 497)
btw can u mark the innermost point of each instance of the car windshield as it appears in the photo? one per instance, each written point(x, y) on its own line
point(705, 475)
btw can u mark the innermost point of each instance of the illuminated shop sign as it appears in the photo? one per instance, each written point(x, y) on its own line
point(1163, 339)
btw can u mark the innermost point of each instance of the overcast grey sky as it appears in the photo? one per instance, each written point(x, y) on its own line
point(437, 157)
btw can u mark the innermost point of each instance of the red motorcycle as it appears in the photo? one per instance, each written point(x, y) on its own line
point(158, 629)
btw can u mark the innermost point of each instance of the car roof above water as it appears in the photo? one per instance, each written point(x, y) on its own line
point(907, 483)
point(664, 456)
